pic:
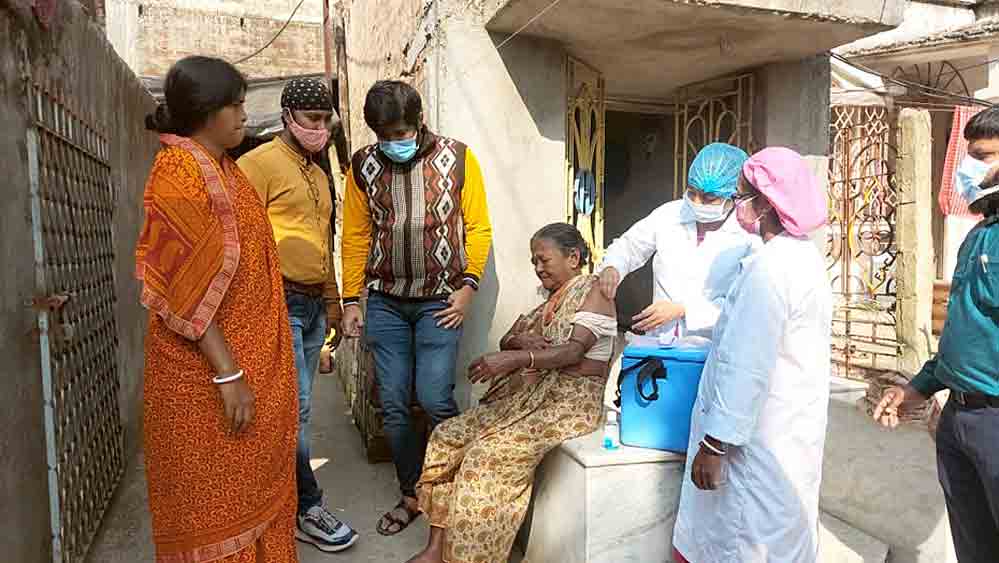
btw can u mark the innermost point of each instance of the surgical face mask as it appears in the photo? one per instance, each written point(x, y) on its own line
point(744, 214)
point(970, 175)
point(705, 213)
point(399, 151)
point(312, 140)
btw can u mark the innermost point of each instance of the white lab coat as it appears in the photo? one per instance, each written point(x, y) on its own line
point(764, 391)
point(697, 277)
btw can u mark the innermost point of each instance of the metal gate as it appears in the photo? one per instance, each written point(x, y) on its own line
point(72, 207)
point(712, 111)
point(861, 250)
point(585, 133)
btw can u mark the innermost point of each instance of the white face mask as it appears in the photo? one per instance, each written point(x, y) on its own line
point(969, 177)
point(706, 213)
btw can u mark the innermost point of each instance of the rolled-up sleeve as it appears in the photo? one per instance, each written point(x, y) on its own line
point(745, 359)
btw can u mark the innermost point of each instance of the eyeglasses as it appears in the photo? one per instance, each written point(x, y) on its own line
point(697, 196)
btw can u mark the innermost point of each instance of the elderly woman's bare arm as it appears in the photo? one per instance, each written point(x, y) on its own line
point(582, 339)
point(570, 353)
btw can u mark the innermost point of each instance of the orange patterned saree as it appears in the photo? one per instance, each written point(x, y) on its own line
point(207, 253)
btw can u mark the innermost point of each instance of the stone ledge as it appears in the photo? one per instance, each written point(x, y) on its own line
point(582, 479)
point(589, 452)
point(841, 385)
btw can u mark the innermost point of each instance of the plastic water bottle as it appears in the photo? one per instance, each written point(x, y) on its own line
point(612, 432)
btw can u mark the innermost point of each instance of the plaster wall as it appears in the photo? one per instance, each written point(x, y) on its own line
point(793, 112)
point(919, 19)
point(379, 37)
point(75, 51)
point(23, 487)
point(518, 133)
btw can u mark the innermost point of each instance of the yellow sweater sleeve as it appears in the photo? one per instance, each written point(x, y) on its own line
point(475, 212)
point(356, 239)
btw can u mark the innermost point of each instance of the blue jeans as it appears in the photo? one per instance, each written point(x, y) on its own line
point(308, 333)
point(409, 347)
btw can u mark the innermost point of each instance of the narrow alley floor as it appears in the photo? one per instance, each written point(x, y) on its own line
point(356, 491)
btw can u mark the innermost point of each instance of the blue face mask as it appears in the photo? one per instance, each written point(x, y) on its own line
point(969, 177)
point(399, 151)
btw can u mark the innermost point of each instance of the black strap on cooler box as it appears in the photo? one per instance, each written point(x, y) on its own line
point(648, 369)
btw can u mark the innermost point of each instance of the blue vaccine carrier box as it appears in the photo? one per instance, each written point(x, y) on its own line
point(658, 387)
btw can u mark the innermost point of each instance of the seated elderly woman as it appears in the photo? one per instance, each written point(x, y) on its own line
point(547, 387)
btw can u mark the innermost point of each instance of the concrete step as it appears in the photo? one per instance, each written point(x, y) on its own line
point(839, 542)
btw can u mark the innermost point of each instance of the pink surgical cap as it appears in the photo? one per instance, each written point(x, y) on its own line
point(783, 177)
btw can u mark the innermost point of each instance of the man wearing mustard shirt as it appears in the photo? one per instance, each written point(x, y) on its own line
point(296, 193)
point(417, 236)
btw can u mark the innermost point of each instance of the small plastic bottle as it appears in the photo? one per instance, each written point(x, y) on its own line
point(612, 432)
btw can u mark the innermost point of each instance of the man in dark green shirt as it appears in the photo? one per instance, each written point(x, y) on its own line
point(967, 362)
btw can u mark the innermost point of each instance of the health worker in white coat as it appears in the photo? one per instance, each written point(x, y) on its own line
point(695, 245)
point(754, 464)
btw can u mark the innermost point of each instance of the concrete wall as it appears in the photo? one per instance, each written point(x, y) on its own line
point(793, 111)
point(920, 19)
point(518, 132)
point(379, 38)
point(23, 488)
point(132, 154)
point(887, 12)
point(75, 52)
point(150, 35)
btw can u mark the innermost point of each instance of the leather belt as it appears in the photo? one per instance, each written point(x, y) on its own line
point(303, 289)
point(975, 400)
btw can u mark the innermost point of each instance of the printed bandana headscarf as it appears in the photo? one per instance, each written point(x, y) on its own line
point(306, 94)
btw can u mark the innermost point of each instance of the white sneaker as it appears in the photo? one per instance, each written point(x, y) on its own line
point(320, 528)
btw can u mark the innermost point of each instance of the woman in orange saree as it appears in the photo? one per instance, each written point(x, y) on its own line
point(221, 409)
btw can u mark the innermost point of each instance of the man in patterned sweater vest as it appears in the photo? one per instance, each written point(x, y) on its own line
point(417, 236)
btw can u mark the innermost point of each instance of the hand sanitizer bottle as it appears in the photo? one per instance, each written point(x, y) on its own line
point(612, 432)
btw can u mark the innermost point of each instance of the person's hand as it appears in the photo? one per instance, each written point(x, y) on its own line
point(493, 365)
point(657, 314)
point(335, 327)
point(238, 404)
point(610, 278)
point(706, 471)
point(894, 402)
point(529, 341)
point(352, 321)
point(454, 315)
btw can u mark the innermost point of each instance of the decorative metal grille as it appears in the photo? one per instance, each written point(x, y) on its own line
point(72, 203)
point(585, 128)
point(720, 110)
point(861, 249)
point(942, 76)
